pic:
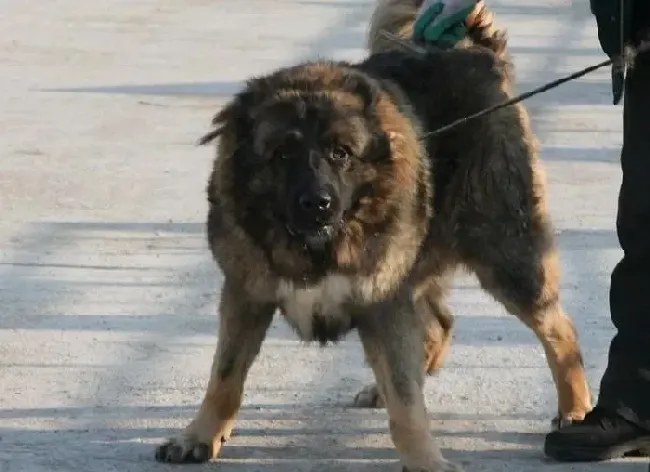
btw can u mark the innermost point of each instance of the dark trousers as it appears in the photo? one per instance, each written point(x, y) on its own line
point(625, 385)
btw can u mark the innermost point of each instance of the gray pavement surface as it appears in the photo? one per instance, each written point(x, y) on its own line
point(108, 293)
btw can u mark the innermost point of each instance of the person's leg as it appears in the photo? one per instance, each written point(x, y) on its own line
point(625, 386)
point(620, 423)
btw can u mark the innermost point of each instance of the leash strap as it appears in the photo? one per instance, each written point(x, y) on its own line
point(627, 55)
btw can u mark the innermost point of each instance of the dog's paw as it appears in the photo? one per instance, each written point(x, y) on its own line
point(369, 397)
point(195, 445)
point(184, 450)
point(443, 466)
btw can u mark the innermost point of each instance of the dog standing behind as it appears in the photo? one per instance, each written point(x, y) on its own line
point(328, 203)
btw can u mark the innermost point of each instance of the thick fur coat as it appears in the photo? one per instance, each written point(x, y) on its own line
point(329, 203)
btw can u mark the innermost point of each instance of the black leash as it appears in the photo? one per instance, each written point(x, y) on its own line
point(518, 98)
point(627, 58)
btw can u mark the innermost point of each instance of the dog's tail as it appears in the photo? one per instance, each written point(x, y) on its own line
point(398, 18)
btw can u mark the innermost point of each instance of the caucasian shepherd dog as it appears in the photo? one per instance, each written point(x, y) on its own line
point(329, 202)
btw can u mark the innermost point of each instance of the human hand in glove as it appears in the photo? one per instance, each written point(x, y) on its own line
point(442, 21)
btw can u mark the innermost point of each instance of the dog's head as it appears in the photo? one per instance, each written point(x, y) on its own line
point(314, 145)
point(315, 158)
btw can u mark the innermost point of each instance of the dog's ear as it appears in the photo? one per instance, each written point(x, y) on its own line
point(363, 87)
point(379, 147)
point(235, 114)
point(211, 136)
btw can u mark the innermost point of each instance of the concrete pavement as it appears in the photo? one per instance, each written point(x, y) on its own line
point(108, 292)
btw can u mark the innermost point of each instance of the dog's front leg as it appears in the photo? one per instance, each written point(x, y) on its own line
point(392, 336)
point(242, 329)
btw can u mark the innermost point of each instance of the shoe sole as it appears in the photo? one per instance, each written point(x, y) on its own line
point(638, 447)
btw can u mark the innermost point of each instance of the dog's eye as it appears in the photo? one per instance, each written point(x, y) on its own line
point(340, 153)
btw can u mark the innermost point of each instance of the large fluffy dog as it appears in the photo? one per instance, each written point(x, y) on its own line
point(328, 203)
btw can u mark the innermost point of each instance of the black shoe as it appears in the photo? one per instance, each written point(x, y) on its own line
point(603, 435)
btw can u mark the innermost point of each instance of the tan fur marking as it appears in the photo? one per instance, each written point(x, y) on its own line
point(557, 335)
point(242, 328)
point(408, 423)
point(438, 321)
point(559, 338)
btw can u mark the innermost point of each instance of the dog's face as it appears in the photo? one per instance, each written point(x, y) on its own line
point(317, 164)
point(313, 146)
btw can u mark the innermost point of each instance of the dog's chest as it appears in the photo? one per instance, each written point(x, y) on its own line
point(317, 312)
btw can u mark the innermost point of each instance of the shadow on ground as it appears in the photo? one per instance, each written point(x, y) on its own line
point(353, 437)
point(30, 272)
point(297, 446)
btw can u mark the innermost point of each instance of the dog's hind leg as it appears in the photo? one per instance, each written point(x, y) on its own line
point(438, 324)
point(243, 327)
point(391, 335)
point(522, 272)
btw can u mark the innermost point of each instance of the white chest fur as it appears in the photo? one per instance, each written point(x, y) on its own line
point(301, 305)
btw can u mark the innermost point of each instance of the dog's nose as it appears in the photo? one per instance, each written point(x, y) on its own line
point(315, 202)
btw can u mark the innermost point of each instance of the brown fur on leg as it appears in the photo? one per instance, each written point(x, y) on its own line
point(558, 337)
point(438, 323)
point(528, 286)
point(396, 358)
point(243, 326)
point(398, 18)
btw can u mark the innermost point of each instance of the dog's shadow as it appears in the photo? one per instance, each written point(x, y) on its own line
point(302, 449)
point(267, 440)
point(272, 439)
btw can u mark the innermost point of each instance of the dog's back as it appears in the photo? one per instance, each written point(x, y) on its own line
point(397, 17)
point(443, 86)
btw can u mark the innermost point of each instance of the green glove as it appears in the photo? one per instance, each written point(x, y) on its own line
point(442, 21)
